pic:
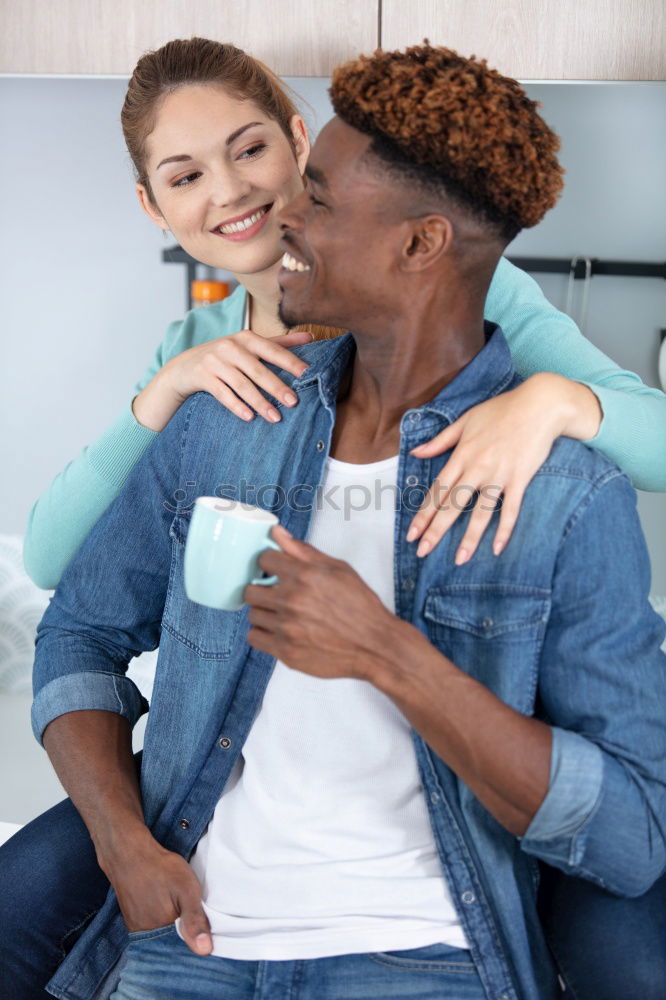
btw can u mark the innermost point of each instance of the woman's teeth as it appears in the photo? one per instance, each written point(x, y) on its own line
point(292, 264)
point(238, 227)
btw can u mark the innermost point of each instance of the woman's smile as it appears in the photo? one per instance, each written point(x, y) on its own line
point(243, 227)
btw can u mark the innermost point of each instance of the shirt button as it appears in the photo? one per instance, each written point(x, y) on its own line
point(185, 823)
point(468, 897)
point(415, 418)
point(488, 623)
point(225, 742)
point(320, 446)
point(408, 583)
point(412, 480)
point(434, 798)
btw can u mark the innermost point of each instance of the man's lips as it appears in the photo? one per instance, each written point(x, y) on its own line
point(291, 263)
point(242, 227)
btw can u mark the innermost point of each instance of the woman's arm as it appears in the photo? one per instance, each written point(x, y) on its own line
point(78, 496)
point(205, 351)
point(543, 339)
point(571, 389)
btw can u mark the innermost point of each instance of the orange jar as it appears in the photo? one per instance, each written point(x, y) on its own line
point(205, 292)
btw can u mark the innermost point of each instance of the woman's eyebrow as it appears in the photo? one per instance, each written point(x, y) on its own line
point(181, 157)
point(239, 131)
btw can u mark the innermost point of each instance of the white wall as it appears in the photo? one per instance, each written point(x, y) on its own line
point(85, 298)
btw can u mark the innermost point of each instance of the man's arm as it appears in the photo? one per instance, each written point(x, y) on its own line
point(585, 790)
point(603, 688)
point(107, 608)
point(502, 755)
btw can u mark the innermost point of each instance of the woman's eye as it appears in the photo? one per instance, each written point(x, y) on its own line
point(249, 154)
point(185, 181)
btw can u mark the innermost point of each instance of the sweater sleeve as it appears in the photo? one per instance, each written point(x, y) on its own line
point(543, 339)
point(78, 496)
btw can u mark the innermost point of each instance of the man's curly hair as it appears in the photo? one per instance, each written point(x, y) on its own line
point(453, 125)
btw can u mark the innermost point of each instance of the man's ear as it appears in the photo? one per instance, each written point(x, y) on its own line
point(151, 210)
point(428, 239)
point(301, 141)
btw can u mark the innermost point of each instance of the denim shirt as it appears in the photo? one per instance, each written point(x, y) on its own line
point(558, 627)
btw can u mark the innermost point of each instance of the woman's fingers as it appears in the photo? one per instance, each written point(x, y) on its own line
point(442, 442)
point(275, 351)
point(229, 400)
point(442, 513)
point(295, 338)
point(478, 522)
point(435, 500)
point(246, 390)
point(511, 504)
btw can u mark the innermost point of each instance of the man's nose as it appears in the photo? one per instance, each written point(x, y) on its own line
point(291, 216)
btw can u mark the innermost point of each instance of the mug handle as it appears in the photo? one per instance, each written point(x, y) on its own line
point(268, 581)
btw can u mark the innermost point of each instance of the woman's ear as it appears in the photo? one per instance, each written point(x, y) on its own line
point(301, 141)
point(151, 210)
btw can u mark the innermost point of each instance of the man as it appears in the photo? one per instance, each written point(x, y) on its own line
point(363, 782)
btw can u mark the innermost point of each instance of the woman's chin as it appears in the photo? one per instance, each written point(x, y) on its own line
point(242, 263)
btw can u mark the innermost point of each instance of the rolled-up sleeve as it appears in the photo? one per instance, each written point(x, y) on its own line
point(603, 691)
point(108, 606)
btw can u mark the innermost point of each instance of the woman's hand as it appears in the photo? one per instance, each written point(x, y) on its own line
point(231, 369)
point(498, 447)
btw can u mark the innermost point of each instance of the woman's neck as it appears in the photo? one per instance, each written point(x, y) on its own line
point(263, 297)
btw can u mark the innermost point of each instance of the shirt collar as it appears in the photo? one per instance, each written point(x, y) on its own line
point(488, 374)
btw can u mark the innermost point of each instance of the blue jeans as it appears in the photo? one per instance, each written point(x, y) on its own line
point(160, 966)
point(606, 948)
point(51, 887)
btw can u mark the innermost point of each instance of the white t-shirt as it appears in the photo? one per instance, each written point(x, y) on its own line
point(321, 843)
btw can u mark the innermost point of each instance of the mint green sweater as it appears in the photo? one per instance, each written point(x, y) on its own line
point(541, 339)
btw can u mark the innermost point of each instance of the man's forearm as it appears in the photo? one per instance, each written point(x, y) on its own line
point(91, 752)
point(503, 756)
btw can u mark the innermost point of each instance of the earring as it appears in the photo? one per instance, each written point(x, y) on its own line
point(166, 233)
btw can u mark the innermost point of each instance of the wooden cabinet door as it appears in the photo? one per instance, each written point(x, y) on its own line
point(540, 39)
point(294, 37)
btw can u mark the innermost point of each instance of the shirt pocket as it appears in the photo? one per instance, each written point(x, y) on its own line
point(494, 632)
point(211, 634)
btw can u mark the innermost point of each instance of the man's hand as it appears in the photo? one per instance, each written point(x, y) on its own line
point(154, 887)
point(321, 617)
point(91, 751)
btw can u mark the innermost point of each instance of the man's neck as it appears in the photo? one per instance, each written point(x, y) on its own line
point(401, 363)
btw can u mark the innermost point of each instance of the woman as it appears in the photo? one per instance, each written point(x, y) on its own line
point(218, 150)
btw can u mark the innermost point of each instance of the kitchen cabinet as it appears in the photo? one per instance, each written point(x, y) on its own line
point(294, 37)
point(540, 39)
point(528, 39)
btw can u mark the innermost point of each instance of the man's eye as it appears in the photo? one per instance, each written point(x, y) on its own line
point(313, 200)
point(185, 181)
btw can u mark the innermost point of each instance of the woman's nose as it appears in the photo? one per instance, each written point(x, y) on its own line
point(228, 189)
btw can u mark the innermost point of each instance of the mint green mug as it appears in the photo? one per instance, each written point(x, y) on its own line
point(224, 542)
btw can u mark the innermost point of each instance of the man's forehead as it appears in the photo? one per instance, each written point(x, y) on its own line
point(338, 153)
